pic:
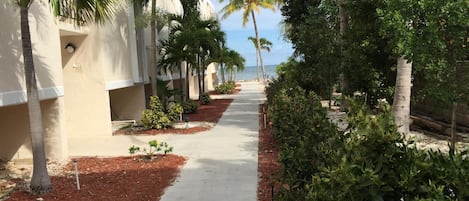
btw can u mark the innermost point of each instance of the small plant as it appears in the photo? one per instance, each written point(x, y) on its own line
point(154, 148)
point(190, 107)
point(205, 99)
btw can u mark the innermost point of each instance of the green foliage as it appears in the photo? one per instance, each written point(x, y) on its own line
point(155, 117)
point(226, 88)
point(153, 148)
point(371, 161)
point(190, 106)
point(174, 111)
point(205, 99)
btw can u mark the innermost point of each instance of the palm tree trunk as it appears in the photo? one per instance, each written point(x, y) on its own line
point(222, 70)
point(401, 103)
point(203, 76)
point(343, 43)
point(257, 64)
point(40, 182)
point(264, 76)
point(187, 93)
point(181, 86)
point(153, 48)
point(198, 77)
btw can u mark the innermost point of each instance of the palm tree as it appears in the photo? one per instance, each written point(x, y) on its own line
point(87, 11)
point(248, 7)
point(401, 103)
point(235, 63)
point(265, 44)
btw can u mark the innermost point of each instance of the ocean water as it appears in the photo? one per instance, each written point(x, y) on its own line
point(249, 73)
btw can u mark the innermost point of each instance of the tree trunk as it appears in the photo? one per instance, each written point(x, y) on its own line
point(454, 109)
point(187, 93)
point(40, 181)
point(203, 75)
point(198, 78)
point(343, 17)
point(257, 64)
point(222, 70)
point(181, 86)
point(154, 78)
point(264, 76)
point(401, 103)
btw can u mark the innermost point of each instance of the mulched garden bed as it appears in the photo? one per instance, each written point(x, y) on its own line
point(268, 165)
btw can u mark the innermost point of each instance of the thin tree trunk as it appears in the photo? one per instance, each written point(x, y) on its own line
point(257, 64)
point(153, 48)
point(203, 75)
point(198, 78)
point(343, 16)
point(187, 92)
point(222, 70)
point(453, 124)
point(264, 76)
point(401, 103)
point(181, 86)
point(40, 181)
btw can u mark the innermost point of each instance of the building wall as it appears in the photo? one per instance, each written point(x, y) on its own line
point(15, 143)
point(127, 103)
point(101, 65)
point(44, 35)
point(15, 135)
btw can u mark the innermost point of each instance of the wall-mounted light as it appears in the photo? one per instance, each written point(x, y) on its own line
point(70, 48)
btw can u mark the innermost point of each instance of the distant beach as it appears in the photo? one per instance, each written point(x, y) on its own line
point(249, 73)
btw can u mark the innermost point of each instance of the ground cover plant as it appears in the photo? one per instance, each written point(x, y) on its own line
point(370, 161)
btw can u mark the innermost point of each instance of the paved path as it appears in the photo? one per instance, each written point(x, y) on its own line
point(222, 162)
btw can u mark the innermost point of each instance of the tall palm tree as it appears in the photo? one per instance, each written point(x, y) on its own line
point(401, 103)
point(248, 7)
point(265, 45)
point(87, 11)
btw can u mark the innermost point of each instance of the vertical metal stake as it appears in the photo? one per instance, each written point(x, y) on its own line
point(272, 192)
point(76, 174)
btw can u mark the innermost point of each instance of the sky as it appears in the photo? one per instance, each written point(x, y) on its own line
point(268, 27)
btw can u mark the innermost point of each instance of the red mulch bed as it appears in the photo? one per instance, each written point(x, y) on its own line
point(268, 164)
point(128, 178)
point(116, 179)
point(208, 113)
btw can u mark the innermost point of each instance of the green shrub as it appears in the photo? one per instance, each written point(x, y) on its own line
point(155, 118)
point(174, 111)
point(190, 106)
point(371, 161)
point(225, 88)
point(205, 99)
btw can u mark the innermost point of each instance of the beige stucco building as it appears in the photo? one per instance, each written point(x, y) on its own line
point(88, 77)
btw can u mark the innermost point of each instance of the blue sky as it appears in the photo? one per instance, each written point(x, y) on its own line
point(268, 27)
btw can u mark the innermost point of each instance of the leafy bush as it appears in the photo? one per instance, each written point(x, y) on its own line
point(190, 106)
point(154, 148)
point(205, 99)
point(371, 161)
point(225, 88)
point(155, 118)
point(174, 111)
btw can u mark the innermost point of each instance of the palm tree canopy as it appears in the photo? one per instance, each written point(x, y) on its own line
point(87, 11)
point(247, 6)
point(265, 44)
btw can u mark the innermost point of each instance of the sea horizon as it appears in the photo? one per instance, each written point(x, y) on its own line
point(249, 73)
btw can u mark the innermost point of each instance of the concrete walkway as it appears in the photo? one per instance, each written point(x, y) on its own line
point(222, 162)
